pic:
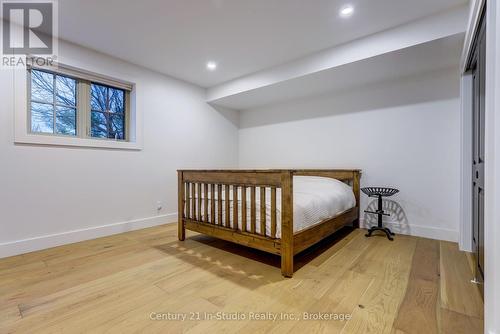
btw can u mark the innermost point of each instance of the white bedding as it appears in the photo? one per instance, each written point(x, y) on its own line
point(314, 200)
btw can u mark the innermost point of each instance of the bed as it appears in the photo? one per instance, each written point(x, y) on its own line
point(282, 212)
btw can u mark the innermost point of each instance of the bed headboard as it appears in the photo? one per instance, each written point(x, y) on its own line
point(339, 174)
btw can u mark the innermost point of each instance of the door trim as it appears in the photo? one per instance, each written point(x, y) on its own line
point(477, 7)
point(465, 239)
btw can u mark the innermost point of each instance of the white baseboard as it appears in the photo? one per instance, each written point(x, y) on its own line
point(420, 231)
point(52, 240)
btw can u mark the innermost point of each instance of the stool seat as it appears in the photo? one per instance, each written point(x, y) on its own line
point(382, 191)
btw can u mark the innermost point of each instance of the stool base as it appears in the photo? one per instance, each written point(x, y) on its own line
point(387, 232)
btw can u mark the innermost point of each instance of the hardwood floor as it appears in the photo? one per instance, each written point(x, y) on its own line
point(118, 284)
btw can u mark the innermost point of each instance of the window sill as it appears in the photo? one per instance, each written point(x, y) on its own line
point(49, 140)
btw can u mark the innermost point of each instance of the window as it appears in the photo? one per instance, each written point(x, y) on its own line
point(107, 112)
point(68, 105)
point(53, 103)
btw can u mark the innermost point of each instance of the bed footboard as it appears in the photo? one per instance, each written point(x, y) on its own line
point(208, 203)
point(232, 205)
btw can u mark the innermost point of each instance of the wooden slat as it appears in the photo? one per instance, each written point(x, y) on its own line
point(287, 238)
point(227, 217)
point(193, 201)
point(235, 207)
point(219, 204)
point(417, 312)
point(244, 209)
point(315, 233)
point(356, 189)
point(266, 171)
point(238, 178)
point(252, 209)
point(181, 189)
point(188, 201)
point(212, 203)
point(342, 175)
point(205, 193)
point(263, 210)
point(200, 213)
point(273, 212)
point(249, 240)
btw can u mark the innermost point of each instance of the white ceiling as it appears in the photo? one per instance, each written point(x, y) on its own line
point(427, 57)
point(178, 37)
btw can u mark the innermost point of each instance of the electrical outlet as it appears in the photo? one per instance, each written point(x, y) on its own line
point(159, 206)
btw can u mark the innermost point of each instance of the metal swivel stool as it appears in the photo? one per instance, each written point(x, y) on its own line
point(379, 192)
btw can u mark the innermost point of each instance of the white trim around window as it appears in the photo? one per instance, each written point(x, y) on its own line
point(23, 134)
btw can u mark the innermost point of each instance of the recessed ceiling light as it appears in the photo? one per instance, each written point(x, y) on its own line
point(211, 66)
point(346, 11)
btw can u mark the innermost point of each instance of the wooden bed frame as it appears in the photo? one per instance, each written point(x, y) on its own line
point(196, 185)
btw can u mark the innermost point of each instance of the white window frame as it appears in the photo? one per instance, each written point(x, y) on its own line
point(22, 121)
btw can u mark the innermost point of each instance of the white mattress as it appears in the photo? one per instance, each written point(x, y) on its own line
point(314, 200)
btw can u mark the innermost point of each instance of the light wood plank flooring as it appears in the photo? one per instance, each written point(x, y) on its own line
point(118, 284)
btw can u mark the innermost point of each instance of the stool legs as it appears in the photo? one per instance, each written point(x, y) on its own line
point(379, 227)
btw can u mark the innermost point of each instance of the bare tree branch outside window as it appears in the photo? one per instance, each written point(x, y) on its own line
point(53, 106)
point(53, 103)
point(108, 112)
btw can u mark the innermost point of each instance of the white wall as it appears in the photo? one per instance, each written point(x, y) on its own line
point(54, 195)
point(403, 133)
